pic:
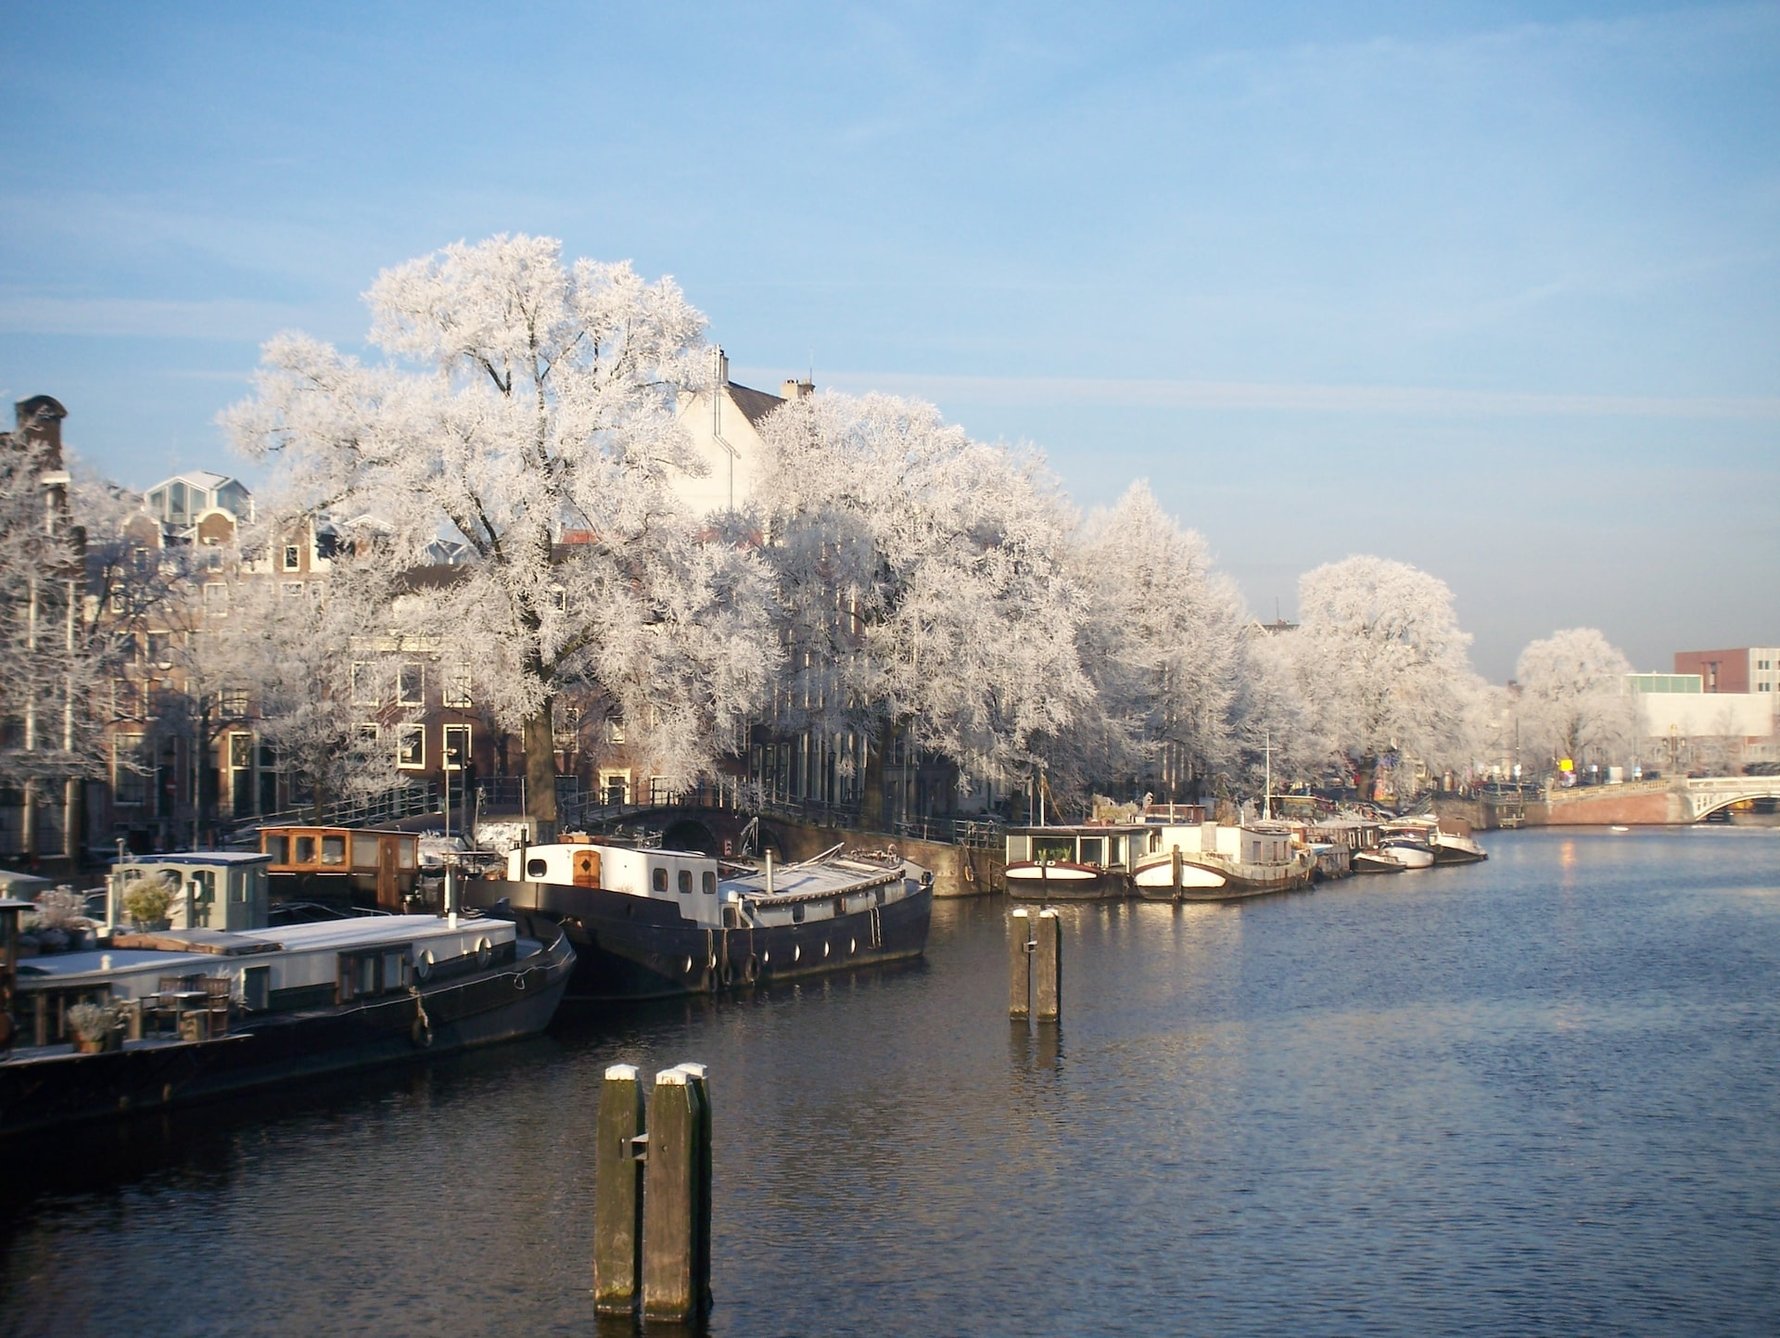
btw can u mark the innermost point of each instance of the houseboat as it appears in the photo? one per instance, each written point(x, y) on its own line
point(1091, 862)
point(1246, 861)
point(166, 1016)
point(651, 923)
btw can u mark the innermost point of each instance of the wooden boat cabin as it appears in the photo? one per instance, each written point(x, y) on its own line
point(360, 866)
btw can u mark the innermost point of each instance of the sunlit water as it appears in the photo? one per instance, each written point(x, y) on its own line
point(1538, 1095)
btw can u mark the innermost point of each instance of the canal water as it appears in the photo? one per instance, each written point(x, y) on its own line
point(1539, 1095)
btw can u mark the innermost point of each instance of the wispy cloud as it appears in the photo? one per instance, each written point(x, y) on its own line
point(133, 318)
point(1418, 401)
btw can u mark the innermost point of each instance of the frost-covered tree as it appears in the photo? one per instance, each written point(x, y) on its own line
point(526, 408)
point(1168, 641)
point(1381, 663)
point(1574, 701)
point(299, 668)
point(1274, 725)
point(50, 673)
point(922, 586)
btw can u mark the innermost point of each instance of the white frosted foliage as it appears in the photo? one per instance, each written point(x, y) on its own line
point(525, 408)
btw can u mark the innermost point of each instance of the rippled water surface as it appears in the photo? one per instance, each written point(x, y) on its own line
point(1537, 1095)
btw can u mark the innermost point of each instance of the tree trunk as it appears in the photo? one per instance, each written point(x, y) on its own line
point(872, 814)
point(540, 772)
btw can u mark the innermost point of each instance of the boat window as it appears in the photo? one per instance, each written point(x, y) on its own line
point(1051, 848)
point(305, 850)
point(407, 854)
point(660, 880)
point(710, 880)
point(333, 850)
point(278, 847)
point(685, 882)
point(536, 868)
point(1093, 850)
point(797, 914)
point(364, 852)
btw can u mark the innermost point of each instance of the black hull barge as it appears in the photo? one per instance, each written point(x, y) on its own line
point(650, 924)
point(170, 1018)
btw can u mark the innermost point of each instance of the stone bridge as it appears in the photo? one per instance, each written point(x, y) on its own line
point(1646, 803)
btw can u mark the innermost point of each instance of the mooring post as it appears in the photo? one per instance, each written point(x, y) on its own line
point(672, 1291)
point(1019, 963)
point(1047, 967)
point(701, 1266)
point(617, 1191)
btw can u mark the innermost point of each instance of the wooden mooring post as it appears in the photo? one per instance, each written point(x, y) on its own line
point(618, 1191)
point(652, 1208)
point(1035, 965)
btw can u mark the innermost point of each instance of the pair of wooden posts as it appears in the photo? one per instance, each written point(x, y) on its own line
point(652, 1196)
point(1035, 965)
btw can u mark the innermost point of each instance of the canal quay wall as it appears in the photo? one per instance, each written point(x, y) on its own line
point(1629, 804)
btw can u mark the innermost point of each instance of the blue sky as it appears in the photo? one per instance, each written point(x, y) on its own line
point(1493, 289)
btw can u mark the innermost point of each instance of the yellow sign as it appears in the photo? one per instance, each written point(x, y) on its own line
point(1565, 764)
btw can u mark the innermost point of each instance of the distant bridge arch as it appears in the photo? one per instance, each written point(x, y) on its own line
point(1705, 795)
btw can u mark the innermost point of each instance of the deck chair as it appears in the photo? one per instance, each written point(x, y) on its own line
point(218, 1001)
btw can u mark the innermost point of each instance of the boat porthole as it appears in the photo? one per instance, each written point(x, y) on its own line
point(797, 952)
point(484, 952)
point(852, 946)
point(688, 963)
point(766, 956)
point(423, 965)
point(825, 949)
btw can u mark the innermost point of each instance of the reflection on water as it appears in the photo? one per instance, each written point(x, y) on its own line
point(1532, 1095)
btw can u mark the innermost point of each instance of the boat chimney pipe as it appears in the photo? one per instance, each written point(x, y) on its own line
point(769, 872)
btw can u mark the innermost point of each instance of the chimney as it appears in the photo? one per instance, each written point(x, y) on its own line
point(40, 419)
point(797, 390)
point(719, 369)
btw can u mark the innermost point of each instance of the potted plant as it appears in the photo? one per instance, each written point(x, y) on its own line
point(146, 901)
point(60, 920)
point(96, 1027)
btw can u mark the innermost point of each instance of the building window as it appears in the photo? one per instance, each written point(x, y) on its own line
point(128, 784)
point(457, 686)
point(292, 559)
point(411, 747)
point(216, 599)
point(160, 648)
point(411, 684)
point(364, 683)
point(369, 731)
point(568, 725)
point(293, 589)
point(457, 747)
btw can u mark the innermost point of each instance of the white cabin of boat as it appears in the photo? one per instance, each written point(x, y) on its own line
point(1093, 845)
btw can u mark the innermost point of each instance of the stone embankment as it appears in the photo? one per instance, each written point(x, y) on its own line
point(1653, 803)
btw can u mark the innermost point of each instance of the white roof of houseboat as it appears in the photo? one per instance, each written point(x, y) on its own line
point(199, 857)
